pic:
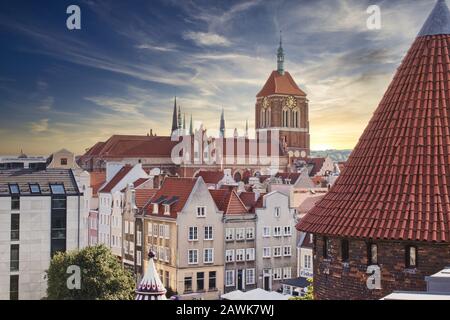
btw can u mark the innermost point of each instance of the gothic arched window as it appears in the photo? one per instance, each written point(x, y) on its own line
point(268, 116)
point(263, 118)
point(285, 118)
point(296, 118)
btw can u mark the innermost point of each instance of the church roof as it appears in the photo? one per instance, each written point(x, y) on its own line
point(280, 84)
point(396, 184)
point(151, 286)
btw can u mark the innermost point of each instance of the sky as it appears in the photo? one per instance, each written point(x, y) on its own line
point(63, 88)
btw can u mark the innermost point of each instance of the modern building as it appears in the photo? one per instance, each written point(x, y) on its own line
point(40, 214)
point(384, 225)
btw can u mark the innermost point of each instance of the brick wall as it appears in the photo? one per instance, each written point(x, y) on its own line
point(336, 280)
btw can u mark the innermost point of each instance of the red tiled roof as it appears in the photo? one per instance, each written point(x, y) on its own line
point(132, 146)
point(308, 204)
point(228, 201)
point(293, 176)
point(172, 187)
point(137, 183)
point(98, 178)
point(315, 164)
point(248, 199)
point(396, 183)
point(143, 196)
point(212, 177)
point(116, 179)
point(280, 84)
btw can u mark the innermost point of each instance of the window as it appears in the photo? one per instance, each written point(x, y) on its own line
point(266, 252)
point(240, 254)
point(161, 231)
point(240, 234)
point(167, 231)
point(212, 280)
point(155, 208)
point(35, 188)
point(14, 287)
point(277, 231)
point(411, 257)
point(64, 161)
point(344, 250)
point(229, 255)
point(287, 251)
point(14, 261)
point(229, 278)
point(167, 254)
point(57, 189)
point(193, 256)
point(287, 273)
point(250, 254)
point(15, 225)
point(138, 257)
point(14, 189)
point(229, 234)
point(200, 281)
point(277, 251)
point(250, 233)
point(266, 232)
point(250, 276)
point(131, 226)
point(127, 227)
point(193, 234)
point(201, 212)
point(15, 203)
point(166, 209)
point(208, 255)
point(208, 233)
point(277, 212)
point(325, 247)
point(125, 246)
point(372, 254)
point(139, 238)
point(277, 274)
point(150, 229)
point(307, 261)
point(287, 231)
point(155, 230)
point(187, 284)
point(167, 279)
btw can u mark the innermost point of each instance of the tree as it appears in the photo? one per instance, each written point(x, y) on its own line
point(100, 276)
point(309, 295)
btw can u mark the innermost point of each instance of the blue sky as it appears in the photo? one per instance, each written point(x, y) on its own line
point(118, 75)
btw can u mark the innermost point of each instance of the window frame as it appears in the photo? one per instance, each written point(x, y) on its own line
point(408, 256)
point(345, 250)
point(370, 260)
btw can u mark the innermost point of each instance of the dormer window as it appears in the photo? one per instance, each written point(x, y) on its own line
point(166, 209)
point(14, 189)
point(201, 212)
point(57, 189)
point(155, 208)
point(35, 188)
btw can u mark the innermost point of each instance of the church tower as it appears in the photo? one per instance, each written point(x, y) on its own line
point(282, 106)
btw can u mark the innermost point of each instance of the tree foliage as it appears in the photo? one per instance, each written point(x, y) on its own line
point(102, 276)
point(309, 295)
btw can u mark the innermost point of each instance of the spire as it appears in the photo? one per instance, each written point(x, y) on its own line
point(191, 129)
point(222, 125)
point(174, 116)
point(246, 128)
point(184, 121)
point(438, 21)
point(151, 286)
point(179, 118)
point(280, 57)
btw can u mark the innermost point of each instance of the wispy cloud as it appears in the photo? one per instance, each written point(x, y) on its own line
point(39, 126)
point(206, 39)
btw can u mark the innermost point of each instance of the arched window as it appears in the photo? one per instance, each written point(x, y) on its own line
point(296, 118)
point(263, 118)
point(268, 116)
point(285, 117)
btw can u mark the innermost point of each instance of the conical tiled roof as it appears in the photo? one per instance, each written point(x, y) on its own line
point(151, 286)
point(396, 183)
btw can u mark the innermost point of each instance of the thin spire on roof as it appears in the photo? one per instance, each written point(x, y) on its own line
point(179, 118)
point(438, 22)
point(280, 56)
point(191, 129)
point(174, 116)
point(222, 125)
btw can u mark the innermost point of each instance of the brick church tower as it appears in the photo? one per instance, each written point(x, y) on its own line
point(282, 106)
point(385, 224)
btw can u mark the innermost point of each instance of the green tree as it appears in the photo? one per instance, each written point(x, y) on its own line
point(101, 276)
point(309, 295)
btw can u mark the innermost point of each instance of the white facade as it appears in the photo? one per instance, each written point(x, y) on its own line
point(276, 241)
point(34, 243)
point(110, 206)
